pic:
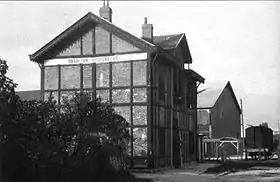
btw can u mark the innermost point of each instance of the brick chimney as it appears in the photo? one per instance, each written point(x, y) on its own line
point(105, 11)
point(147, 31)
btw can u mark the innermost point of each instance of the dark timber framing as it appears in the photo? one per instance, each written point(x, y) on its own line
point(167, 109)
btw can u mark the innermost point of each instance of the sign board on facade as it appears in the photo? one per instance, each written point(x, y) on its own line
point(96, 60)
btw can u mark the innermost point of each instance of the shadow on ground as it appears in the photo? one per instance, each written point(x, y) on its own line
point(235, 166)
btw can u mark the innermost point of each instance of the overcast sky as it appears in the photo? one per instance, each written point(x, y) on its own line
point(237, 41)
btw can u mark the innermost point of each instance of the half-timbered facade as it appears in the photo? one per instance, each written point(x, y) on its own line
point(142, 78)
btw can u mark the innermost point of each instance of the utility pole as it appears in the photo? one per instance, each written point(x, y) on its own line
point(278, 147)
point(278, 133)
point(243, 129)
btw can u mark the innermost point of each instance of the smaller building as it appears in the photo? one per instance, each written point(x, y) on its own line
point(218, 117)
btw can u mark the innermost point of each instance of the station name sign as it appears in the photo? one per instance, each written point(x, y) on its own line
point(96, 60)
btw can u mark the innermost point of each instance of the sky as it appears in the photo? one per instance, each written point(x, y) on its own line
point(237, 41)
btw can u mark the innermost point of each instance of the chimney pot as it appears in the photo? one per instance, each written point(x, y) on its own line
point(106, 12)
point(145, 20)
point(147, 31)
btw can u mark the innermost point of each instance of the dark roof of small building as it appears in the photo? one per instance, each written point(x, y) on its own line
point(168, 41)
point(29, 95)
point(210, 93)
point(194, 75)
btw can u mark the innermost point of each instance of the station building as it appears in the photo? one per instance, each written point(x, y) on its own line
point(144, 79)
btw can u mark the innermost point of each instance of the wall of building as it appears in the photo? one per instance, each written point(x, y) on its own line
point(174, 131)
point(225, 116)
point(128, 86)
point(122, 84)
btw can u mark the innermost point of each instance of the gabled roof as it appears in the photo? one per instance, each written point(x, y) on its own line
point(92, 18)
point(168, 41)
point(173, 42)
point(160, 43)
point(29, 95)
point(210, 92)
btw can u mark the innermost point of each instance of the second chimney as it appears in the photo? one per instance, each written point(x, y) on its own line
point(105, 11)
point(147, 31)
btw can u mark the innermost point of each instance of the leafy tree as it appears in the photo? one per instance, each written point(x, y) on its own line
point(80, 139)
point(8, 106)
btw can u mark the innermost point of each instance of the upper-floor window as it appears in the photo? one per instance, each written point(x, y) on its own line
point(121, 74)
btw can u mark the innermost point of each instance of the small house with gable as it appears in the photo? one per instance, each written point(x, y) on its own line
point(218, 114)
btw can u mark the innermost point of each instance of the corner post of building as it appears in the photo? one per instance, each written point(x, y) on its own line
point(81, 78)
point(59, 84)
point(172, 114)
point(149, 79)
point(110, 82)
point(42, 67)
point(131, 115)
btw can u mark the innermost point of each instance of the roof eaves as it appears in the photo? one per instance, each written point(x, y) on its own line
point(63, 34)
point(182, 35)
point(234, 97)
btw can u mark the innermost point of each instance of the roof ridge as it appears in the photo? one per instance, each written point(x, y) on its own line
point(124, 30)
point(168, 34)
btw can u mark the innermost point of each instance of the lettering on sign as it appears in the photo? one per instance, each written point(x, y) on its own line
point(96, 60)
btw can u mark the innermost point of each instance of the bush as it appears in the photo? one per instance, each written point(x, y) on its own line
point(80, 139)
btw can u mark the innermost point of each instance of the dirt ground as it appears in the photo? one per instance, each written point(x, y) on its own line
point(232, 171)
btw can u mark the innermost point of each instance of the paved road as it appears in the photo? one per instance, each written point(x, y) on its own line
point(179, 177)
point(196, 175)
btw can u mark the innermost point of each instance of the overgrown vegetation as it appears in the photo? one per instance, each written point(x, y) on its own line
point(80, 139)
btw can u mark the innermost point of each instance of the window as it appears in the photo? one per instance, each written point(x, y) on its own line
point(102, 45)
point(124, 111)
point(120, 95)
point(55, 96)
point(51, 77)
point(67, 94)
point(70, 77)
point(139, 95)
point(121, 74)
point(128, 147)
point(139, 115)
point(140, 145)
point(102, 75)
point(103, 94)
point(87, 76)
point(47, 95)
point(87, 43)
point(140, 73)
